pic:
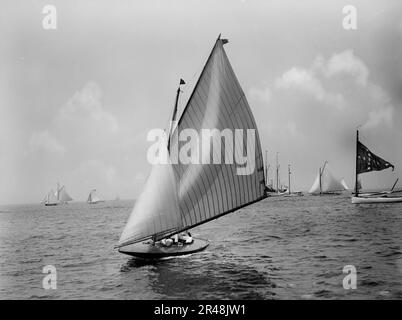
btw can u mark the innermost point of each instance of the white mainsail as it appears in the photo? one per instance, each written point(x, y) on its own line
point(328, 183)
point(315, 188)
point(179, 196)
point(51, 198)
point(45, 198)
point(63, 196)
point(93, 197)
point(58, 197)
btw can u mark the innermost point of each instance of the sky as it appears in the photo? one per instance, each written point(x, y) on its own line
point(76, 102)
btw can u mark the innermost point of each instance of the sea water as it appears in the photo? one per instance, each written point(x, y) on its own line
point(278, 248)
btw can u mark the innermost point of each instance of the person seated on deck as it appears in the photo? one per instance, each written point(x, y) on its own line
point(167, 242)
point(174, 239)
point(186, 238)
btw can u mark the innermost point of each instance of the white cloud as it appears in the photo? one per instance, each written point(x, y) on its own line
point(44, 141)
point(301, 79)
point(346, 63)
point(85, 108)
point(82, 123)
point(306, 81)
point(348, 77)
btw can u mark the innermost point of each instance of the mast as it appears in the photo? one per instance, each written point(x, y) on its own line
point(266, 167)
point(277, 173)
point(356, 174)
point(289, 177)
point(174, 112)
point(319, 177)
point(321, 173)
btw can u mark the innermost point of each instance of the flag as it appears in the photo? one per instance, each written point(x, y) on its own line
point(182, 82)
point(368, 161)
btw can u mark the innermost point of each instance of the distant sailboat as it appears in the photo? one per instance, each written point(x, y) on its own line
point(326, 183)
point(366, 161)
point(269, 189)
point(51, 199)
point(288, 192)
point(63, 196)
point(180, 196)
point(280, 189)
point(55, 198)
point(93, 197)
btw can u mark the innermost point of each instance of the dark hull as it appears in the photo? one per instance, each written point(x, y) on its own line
point(146, 250)
point(51, 204)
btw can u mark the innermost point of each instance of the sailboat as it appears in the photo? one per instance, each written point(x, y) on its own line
point(280, 189)
point(63, 196)
point(367, 161)
point(288, 192)
point(50, 199)
point(269, 189)
point(326, 183)
point(93, 197)
point(55, 198)
point(179, 196)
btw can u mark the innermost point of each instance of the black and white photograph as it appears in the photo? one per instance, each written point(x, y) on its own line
point(203, 150)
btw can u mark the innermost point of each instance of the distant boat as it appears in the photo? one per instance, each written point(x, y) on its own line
point(63, 196)
point(55, 198)
point(93, 197)
point(51, 199)
point(288, 192)
point(326, 183)
point(280, 189)
point(180, 196)
point(366, 161)
point(269, 188)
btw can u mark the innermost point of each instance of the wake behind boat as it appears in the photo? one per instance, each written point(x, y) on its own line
point(367, 161)
point(180, 196)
